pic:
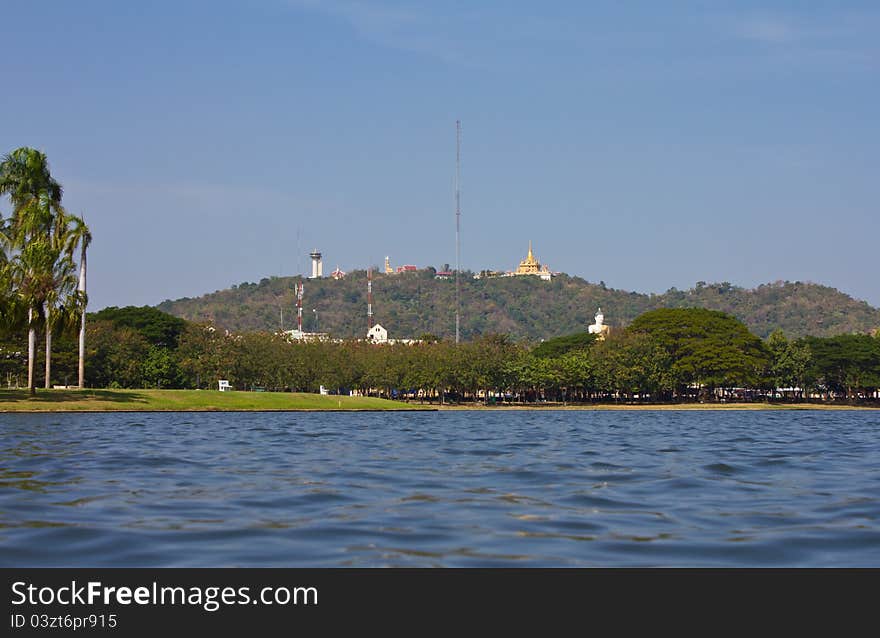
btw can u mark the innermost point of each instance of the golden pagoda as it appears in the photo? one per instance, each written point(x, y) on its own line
point(531, 266)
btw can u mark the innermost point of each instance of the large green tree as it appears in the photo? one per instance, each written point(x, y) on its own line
point(157, 327)
point(558, 346)
point(848, 364)
point(115, 356)
point(205, 356)
point(789, 362)
point(706, 348)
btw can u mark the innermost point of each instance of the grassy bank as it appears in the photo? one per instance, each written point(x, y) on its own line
point(212, 400)
point(184, 400)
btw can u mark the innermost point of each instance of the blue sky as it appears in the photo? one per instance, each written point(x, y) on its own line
point(644, 144)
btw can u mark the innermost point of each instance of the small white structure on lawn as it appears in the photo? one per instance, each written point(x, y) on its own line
point(224, 385)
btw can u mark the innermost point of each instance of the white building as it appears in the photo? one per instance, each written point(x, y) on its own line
point(377, 334)
point(317, 264)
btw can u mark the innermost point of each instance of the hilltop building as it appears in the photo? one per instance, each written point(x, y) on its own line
point(338, 274)
point(405, 268)
point(599, 328)
point(530, 266)
point(317, 265)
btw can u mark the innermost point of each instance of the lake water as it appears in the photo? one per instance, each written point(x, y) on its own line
point(531, 488)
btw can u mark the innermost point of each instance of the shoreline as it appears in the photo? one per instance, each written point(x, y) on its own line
point(215, 410)
point(684, 407)
point(188, 401)
point(662, 407)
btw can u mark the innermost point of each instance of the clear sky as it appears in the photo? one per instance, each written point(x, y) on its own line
point(646, 144)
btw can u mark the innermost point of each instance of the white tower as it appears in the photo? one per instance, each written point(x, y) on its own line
point(317, 264)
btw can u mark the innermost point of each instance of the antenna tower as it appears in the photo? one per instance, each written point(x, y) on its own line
point(298, 268)
point(457, 228)
point(369, 298)
point(299, 307)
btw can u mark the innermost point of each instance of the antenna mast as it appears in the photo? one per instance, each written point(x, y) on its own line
point(299, 307)
point(457, 228)
point(369, 298)
point(298, 269)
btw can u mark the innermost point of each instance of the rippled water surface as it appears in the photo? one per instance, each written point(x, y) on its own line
point(535, 488)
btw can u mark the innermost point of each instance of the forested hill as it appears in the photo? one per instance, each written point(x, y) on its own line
point(413, 304)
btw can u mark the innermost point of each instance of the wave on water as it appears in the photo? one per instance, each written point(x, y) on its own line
point(458, 488)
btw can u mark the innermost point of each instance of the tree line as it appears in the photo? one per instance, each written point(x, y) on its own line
point(666, 355)
point(42, 261)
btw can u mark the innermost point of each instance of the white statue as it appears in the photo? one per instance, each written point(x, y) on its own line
point(599, 328)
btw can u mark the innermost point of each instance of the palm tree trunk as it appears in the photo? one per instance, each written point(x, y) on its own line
point(82, 325)
point(48, 353)
point(32, 345)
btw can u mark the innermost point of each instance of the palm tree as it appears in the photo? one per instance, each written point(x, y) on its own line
point(40, 273)
point(25, 176)
point(45, 285)
point(79, 236)
point(7, 299)
point(45, 274)
point(34, 193)
point(36, 213)
point(64, 305)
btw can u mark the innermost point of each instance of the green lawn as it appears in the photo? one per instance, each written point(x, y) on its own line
point(183, 400)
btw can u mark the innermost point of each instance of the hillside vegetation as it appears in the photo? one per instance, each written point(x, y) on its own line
point(415, 304)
